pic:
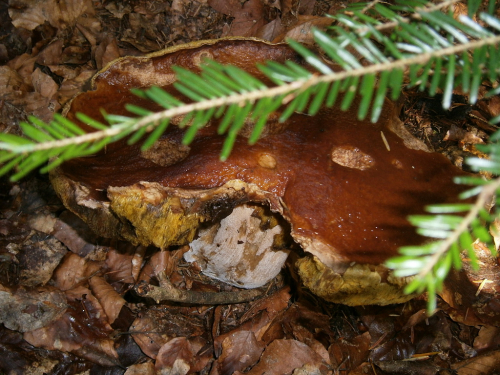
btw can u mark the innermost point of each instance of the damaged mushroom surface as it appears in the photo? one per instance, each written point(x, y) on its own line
point(344, 187)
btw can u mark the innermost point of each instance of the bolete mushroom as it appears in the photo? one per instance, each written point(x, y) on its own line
point(344, 186)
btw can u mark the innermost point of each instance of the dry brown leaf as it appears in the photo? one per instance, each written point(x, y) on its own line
point(147, 368)
point(270, 31)
point(119, 264)
point(273, 304)
point(303, 335)
point(239, 351)
point(59, 13)
point(44, 84)
point(301, 31)
point(350, 353)
point(158, 325)
point(283, 356)
point(81, 330)
point(51, 55)
point(72, 85)
point(74, 270)
point(486, 364)
point(259, 325)
point(109, 299)
point(38, 257)
point(106, 52)
point(176, 356)
point(248, 16)
point(487, 338)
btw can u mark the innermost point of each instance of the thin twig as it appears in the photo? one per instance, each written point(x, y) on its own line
point(168, 292)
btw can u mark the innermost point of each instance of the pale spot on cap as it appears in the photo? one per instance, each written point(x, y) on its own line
point(267, 161)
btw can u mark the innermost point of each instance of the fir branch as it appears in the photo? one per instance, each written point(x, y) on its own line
point(292, 88)
point(485, 196)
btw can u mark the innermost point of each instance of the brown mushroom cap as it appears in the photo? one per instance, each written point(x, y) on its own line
point(331, 176)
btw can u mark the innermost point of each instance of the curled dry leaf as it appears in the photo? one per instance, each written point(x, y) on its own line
point(107, 296)
point(304, 335)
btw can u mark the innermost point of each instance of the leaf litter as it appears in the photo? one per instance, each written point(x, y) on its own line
point(67, 304)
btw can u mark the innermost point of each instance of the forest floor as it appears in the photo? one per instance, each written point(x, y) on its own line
point(66, 304)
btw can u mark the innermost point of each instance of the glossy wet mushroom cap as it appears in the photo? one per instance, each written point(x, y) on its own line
point(345, 194)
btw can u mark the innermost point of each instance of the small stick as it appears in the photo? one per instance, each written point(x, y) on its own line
point(168, 292)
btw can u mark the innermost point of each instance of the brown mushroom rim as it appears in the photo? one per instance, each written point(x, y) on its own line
point(360, 210)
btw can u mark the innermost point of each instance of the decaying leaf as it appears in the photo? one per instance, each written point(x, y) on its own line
point(30, 309)
point(284, 356)
point(83, 330)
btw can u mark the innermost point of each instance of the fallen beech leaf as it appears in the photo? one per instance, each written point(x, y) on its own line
point(283, 356)
point(59, 13)
point(303, 335)
point(106, 52)
point(109, 299)
point(240, 350)
point(248, 16)
point(44, 84)
point(487, 338)
point(119, 263)
point(270, 31)
point(81, 330)
point(51, 55)
point(258, 325)
point(473, 296)
point(350, 353)
point(485, 364)
point(74, 270)
point(38, 257)
point(29, 309)
point(301, 30)
point(77, 236)
point(273, 304)
point(158, 325)
point(180, 356)
point(147, 368)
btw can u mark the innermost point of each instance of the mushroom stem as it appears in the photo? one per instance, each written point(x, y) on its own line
point(168, 292)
